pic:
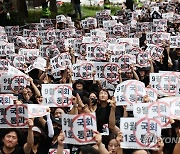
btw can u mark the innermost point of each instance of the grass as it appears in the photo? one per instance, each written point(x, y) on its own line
point(90, 11)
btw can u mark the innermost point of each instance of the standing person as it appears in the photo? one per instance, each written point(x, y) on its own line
point(106, 4)
point(45, 9)
point(77, 8)
point(129, 4)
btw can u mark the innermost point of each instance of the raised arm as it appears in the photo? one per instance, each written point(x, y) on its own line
point(119, 75)
point(36, 90)
point(99, 145)
point(30, 138)
point(134, 72)
point(74, 109)
point(112, 118)
point(119, 139)
point(85, 107)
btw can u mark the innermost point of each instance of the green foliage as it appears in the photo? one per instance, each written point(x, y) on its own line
point(96, 8)
point(34, 15)
point(66, 8)
point(114, 9)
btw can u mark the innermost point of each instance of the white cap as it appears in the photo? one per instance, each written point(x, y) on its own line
point(36, 129)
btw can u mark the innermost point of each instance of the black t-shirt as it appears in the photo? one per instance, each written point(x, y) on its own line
point(102, 116)
point(44, 146)
point(18, 150)
point(76, 1)
point(145, 80)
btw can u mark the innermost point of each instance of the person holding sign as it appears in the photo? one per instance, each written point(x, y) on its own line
point(79, 87)
point(98, 148)
point(132, 74)
point(103, 109)
point(10, 141)
point(42, 143)
point(159, 151)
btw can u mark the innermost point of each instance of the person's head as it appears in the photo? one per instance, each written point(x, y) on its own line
point(141, 152)
point(129, 75)
point(113, 144)
point(142, 73)
point(37, 135)
point(178, 51)
point(79, 85)
point(58, 112)
point(93, 95)
point(88, 149)
point(103, 95)
point(93, 98)
point(28, 91)
point(10, 138)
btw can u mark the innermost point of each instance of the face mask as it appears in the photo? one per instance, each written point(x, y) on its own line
point(36, 140)
point(56, 131)
point(59, 120)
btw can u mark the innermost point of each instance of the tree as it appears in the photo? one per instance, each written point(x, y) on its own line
point(22, 8)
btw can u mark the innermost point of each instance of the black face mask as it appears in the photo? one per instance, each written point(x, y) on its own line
point(36, 140)
point(59, 120)
point(56, 131)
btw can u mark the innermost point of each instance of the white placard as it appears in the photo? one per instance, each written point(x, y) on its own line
point(13, 116)
point(6, 48)
point(6, 99)
point(165, 83)
point(13, 83)
point(140, 133)
point(175, 42)
point(78, 129)
point(129, 92)
point(57, 95)
point(83, 71)
point(54, 151)
point(107, 71)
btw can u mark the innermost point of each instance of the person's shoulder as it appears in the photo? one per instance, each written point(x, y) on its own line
point(19, 150)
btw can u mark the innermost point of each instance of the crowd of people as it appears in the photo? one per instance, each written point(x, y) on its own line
point(90, 96)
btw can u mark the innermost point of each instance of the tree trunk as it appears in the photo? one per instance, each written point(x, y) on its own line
point(14, 3)
point(22, 7)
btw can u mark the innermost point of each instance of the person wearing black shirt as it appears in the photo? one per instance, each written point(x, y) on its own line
point(10, 141)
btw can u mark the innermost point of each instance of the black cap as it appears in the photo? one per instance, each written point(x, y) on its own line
point(78, 81)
